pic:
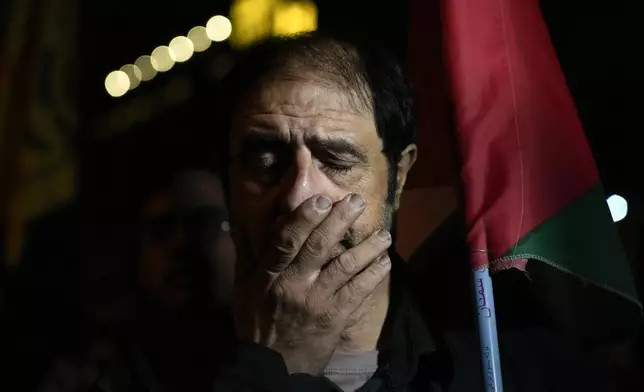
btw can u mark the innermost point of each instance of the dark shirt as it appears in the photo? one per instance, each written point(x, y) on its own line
point(411, 362)
point(408, 361)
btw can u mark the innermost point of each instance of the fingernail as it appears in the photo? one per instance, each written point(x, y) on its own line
point(323, 203)
point(384, 260)
point(383, 235)
point(356, 201)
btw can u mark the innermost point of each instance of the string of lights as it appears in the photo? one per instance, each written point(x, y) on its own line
point(253, 20)
point(163, 58)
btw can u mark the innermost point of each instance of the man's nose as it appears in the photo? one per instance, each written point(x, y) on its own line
point(303, 181)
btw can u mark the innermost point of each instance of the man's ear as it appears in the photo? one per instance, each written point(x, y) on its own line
point(407, 160)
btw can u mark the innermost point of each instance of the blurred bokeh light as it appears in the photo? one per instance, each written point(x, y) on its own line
point(163, 59)
point(117, 83)
point(618, 207)
point(146, 65)
point(219, 28)
point(199, 38)
point(252, 20)
point(294, 18)
point(182, 48)
point(133, 73)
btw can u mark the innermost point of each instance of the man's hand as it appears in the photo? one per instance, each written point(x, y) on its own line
point(298, 301)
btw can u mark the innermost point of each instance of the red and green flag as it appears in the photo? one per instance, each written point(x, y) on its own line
point(532, 193)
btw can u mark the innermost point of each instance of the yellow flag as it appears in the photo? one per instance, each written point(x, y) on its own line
point(254, 20)
point(38, 114)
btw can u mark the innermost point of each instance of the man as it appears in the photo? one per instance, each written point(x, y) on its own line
point(321, 138)
point(181, 273)
point(186, 253)
point(184, 281)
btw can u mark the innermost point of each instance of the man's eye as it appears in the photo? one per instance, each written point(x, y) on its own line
point(337, 168)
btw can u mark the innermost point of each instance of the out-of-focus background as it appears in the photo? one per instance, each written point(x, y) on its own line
point(94, 96)
point(86, 87)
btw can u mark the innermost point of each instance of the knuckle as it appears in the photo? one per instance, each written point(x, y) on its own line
point(339, 309)
point(357, 287)
point(324, 321)
point(315, 303)
point(323, 284)
point(317, 243)
point(327, 319)
point(346, 263)
point(374, 274)
point(311, 249)
point(290, 274)
point(378, 243)
point(287, 241)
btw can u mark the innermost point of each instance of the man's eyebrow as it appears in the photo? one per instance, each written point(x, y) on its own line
point(338, 147)
point(257, 138)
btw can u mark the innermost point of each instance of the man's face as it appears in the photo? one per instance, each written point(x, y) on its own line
point(187, 256)
point(291, 141)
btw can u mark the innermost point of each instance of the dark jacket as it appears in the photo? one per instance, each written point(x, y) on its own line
point(410, 360)
point(412, 363)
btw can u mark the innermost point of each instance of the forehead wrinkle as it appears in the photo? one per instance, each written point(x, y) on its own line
point(293, 108)
point(310, 91)
point(330, 69)
point(304, 134)
point(324, 124)
point(280, 122)
point(324, 120)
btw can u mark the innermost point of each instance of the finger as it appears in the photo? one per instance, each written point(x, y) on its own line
point(344, 267)
point(356, 290)
point(295, 231)
point(316, 250)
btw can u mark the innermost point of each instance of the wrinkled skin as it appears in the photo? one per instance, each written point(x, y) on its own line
point(310, 280)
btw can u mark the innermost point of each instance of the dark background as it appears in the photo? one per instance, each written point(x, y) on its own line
point(598, 44)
